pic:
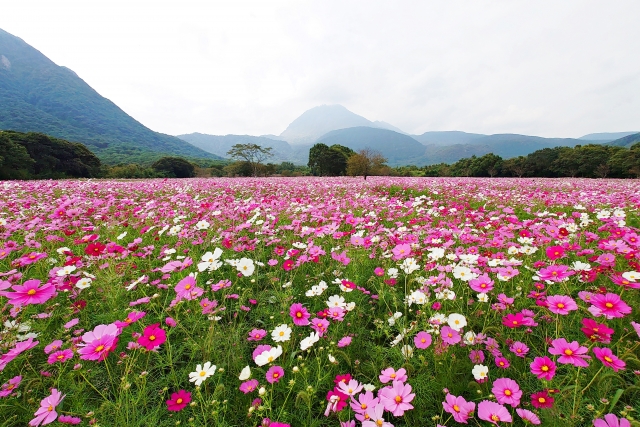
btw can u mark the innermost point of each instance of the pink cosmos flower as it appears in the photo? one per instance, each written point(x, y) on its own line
point(518, 348)
point(401, 251)
point(98, 343)
point(609, 305)
point(47, 414)
point(541, 399)
point(493, 412)
point(178, 400)
point(187, 289)
point(19, 348)
point(507, 392)
point(570, 353)
point(375, 418)
point(364, 401)
point(299, 314)
point(561, 304)
point(132, 317)
point(555, 273)
point(391, 374)
point(68, 419)
point(336, 401)
point(344, 341)
point(257, 334)
point(170, 322)
point(249, 386)
point(274, 374)
point(459, 408)
point(482, 284)
point(350, 388)
point(396, 398)
point(513, 320)
point(10, 386)
point(636, 326)
point(543, 367)
point(53, 346)
point(60, 356)
point(422, 340)
point(611, 420)
point(152, 337)
point(476, 356)
point(30, 293)
point(502, 362)
point(606, 356)
point(528, 416)
point(449, 335)
point(320, 325)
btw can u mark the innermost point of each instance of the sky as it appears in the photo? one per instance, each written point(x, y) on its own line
point(561, 68)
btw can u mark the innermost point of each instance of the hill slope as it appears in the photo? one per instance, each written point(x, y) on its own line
point(626, 141)
point(447, 137)
point(220, 145)
point(36, 95)
point(605, 136)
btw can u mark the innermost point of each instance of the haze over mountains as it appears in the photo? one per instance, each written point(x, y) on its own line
point(334, 124)
point(36, 95)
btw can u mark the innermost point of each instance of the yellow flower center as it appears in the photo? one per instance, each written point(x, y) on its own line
point(31, 292)
point(608, 305)
point(187, 287)
point(99, 348)
point(568, 352)
point(179, 401)
point(203, 373)
point(507, 392)
point(560, 305)
point(276, 375)
point(50, 408)
point(398, 399)
point(545, 368)
point(456, 408)
point(541, 400)
point(608, 359)
point(152, 338)
point(495, 418)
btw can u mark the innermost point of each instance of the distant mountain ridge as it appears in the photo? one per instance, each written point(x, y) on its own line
point(606, 136)
point(36, 95)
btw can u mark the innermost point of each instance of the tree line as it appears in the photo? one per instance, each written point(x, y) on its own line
point(586, 161)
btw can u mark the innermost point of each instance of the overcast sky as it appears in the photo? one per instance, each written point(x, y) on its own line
point(550, 68)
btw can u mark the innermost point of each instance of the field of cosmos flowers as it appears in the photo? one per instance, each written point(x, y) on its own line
point(320, 302)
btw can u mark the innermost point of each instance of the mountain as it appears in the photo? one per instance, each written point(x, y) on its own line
point(399, 149)
point(319, 120)
point(503, 145)
point(36, 95)
point(220, 145)
point(606, 136)
point(626, 141)
point(447, 137)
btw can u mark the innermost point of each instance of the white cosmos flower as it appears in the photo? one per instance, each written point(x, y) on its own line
point(66, 270)
point(210, 261)
point(202, 225)
point(83, 283)
point(463, 273)
point(417, 297)
point(246, 266)
point(309, 341)
point(121, 236)
point(456, 321)
point(62, 250)
point(202, 373)
point(480, 372)
point(268, 356)
point(336, 301)
point(409, 265)
point(632, 276)
point(281, 333)
point(245, 374)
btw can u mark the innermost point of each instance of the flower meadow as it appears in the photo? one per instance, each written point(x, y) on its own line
point(320, 302)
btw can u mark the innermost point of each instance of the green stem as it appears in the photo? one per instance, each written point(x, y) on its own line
point(592, 379)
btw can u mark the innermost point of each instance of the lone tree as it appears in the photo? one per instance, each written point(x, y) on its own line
point(366, 162)
point(253, 154)
point(331, 161)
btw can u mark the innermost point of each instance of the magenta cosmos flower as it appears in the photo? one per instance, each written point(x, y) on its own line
point(187, 289)
point(459, 408)
point(249, 386)
point(554, 252)
point(60, 356)
point(570, 353)
point(152, 336)
point(362, 403)
point(561, 304)
point(606, 356)
point(609, 305)
point(30, 293)
point(19, 348)
point(178, 400)
point(543, 367)
point(493, 412)
point(482, 284)
point(449, 335)
point(555, 273)
point(257, 335)
point(396, 398)
point(47, 414)
point(99, 342)
point(507, 392)
point(10, 386)
point(611, 420)
point(274, 374)
point(596, 332)
point(299, 314)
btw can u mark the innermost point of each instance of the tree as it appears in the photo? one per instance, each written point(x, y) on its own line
point(253, 154)
point(174, 167)
point(329, 161)
point(366, 162)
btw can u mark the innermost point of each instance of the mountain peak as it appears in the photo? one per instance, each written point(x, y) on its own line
point(319, 120)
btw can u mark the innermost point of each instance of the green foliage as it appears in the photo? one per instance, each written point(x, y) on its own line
point(35, 155)
point(174, 167)
point(329, 161)
point(252, 154)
